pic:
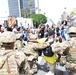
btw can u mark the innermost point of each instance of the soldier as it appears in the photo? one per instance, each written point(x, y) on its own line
point(50, 58)
point(11, 59)
point(31, 51)
point(72, 51)
point(69, 50)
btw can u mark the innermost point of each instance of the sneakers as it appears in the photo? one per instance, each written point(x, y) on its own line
point(50, 73)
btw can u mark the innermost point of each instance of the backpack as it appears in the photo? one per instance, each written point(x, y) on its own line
point(48, 51)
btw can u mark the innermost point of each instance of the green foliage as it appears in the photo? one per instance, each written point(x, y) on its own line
point(30, 2)
point(22, 12)
point(38, 9)
point(25, 12)
point(38, 19)
point(73, 13)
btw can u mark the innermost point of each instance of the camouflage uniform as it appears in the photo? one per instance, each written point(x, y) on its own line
point(11, 59)
point(31, 51)
point(68, 48)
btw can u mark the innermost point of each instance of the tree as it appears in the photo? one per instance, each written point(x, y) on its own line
point(38, 9)
point(30, 2)
point(73, 12)
point(38, 19)
point(25, 12)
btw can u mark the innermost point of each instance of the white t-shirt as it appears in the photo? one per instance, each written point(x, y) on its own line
point(14, 30)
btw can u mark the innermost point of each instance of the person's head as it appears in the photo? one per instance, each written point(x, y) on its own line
point(64, 22)
point(18, 29)
point(0, 27)
point(47, 26)
point(46, 34)
point(43, 27)
point(53, 25)
point(72, 32)
point(51, 33)
point(40, 25)
point(3, 29)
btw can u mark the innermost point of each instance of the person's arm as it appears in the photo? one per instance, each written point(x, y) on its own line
point(38, 46)
point(61, 47)
point(61, 27)
point(35, 41)
point(32, 39)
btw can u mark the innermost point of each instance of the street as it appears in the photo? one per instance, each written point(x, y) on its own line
point(41, 66)
point(43, 71)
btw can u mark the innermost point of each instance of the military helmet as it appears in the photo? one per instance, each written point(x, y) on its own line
point(7, 37)
point(72, 31)
point(18, 36)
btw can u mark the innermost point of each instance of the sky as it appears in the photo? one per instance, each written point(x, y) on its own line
point(52, 8)
point(4, 8)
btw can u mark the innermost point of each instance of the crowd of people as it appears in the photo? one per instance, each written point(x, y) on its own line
point(44, 33)
point(53, 34)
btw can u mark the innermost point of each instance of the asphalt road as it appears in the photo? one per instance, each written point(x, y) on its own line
point(43, 71)
point(41, 66)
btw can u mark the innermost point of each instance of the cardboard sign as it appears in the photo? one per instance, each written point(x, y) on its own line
point(11, 21)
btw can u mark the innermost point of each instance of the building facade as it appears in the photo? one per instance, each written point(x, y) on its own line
point(15, 7)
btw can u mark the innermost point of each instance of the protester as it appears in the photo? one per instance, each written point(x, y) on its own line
point(50, 59)
point(15, 29)
point(46, 30)
point(64, 29)
point(40, 34)
point(41, 29)
point(24, 36)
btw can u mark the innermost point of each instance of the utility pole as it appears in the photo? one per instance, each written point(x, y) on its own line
point(38, 6)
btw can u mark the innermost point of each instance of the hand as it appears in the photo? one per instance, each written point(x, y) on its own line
point(60, 52)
